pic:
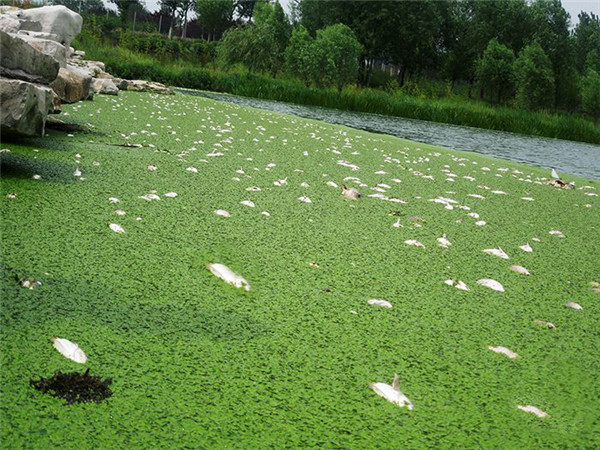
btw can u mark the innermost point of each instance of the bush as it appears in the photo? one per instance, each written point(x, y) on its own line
point(535, 78)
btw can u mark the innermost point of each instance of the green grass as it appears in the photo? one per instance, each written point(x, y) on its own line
point(198, 363)
point(454, 110)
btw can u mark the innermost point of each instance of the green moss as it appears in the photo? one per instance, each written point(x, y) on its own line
point(198, 363)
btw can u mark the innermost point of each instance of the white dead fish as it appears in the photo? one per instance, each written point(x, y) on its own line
point(526, 248)
point(222, 213)
point(11, 195)
point(30, 283)
point(266, 213)
point(151, 167)
point(397, 224)
point(527, 199)
point(392, 393)
point(350, 193)
point(304, 185)
point(476, 196)
point(77, 173)
point(533, 410)
point(474, 215)
point(504, 351)
point(114, 200)
point(332, 184)
point(116, 228)
point(444, 242)
point(543, 324)
point(379, 302)
point(414, 242)
point(480, 223)
point(69, 350)
point(120, 212)
point(253, 189)
point(496, 252)
point(556, 233)
point(492, 284)
point(171, 194)
point(520, 269)
point(149, 197)
point(573, 305)
point(305, 199)
point(457, 284)
point(226, 274)
point(281, 182)
point(37, 177)
point(249, 203)
point(192, 170)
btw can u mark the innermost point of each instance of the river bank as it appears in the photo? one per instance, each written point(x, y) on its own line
point(289, 363)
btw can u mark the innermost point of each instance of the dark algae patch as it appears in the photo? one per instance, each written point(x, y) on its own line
point(200, 363)
point(75, 387)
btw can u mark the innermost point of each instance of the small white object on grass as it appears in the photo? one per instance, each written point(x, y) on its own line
point(69, 350)
point(379, 302)
point(496, 252)
point(533, 410)
point(222, 213)
point(226, 274)
point(526, 248)
point(556, 233)
point(249, 203)
point(305, 199)
point(520, 269)
point(171, 194)
point(444, 242)
point(116, 228)
point(573, 305)
point(458, 284)
point(504, 351)
point(492, 284)
point(392, 393)
point(414, 242)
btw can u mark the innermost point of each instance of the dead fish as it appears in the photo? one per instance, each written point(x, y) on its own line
point(492, 284)
point(171, 194)
point(151, 167)
point(526, 248)
point(11, 195)
point(480, 223)
point(192, 170)
point(226, 274)
point(304, 185)
point(37, 177)
point(457, 284)
point(573, 305)
point(527, 199)
point(116, 228)
point(281, 182)
point(474, 215)
point(120, 212)
point(397, 224)
point(504, 351)
point(476, 196)
point(556, 233)
point(222, 213)
point(304, 199)
point(249, 203)
point(561, 184)
point(444, 242)
point(379, 302)
point(392, 393)
point(520, 269)
point(253, 189)
point(332, 184)
point(350, 193)
point(533, 410)
point(266, 213)
point(541, 323)
point(149, 197)
point(496, 252)
point(30, 283)
point(114, 200)
point(414, 242)
point(77, 173)
point(69, 350)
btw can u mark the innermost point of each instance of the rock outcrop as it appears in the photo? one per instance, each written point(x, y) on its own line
point(18, 59)
point(57, 20)
point(24, 107)
point(72, 84)
point(104, 86)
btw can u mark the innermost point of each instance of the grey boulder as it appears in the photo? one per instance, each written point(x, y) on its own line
point(18, 59)
point(25, 107)
point(47, 47)
point(72, 84)
point(58, 20)
point(104, 86)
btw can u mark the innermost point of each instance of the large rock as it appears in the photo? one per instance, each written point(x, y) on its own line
point(24, 107)
point(9, 24)
point(72, 84)
point(104, 86)
point(47, 47)
point(58, 20)
point(20, 60)
point(148, 86)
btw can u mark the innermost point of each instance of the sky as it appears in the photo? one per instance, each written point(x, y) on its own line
point(573, 7)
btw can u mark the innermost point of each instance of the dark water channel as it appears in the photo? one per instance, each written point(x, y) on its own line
point(576, 158)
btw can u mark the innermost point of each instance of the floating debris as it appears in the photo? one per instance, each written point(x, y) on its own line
point(171, 194)
point(69, 350)
point(151, 167)
point(533, 410)
point(556, 233)
point(543, 324)
point(504, 351)
point(37, 177)
point(149, 197)
point(379, 302)
point(116, 228)
point(249, 203)
point(480, 223)
point(305, 199)
point(496, 252)
point(573, 305)
point(520, 269)
point(281, 182)
point(444, 242)
point(457, 284)
point(222, 213)
point(114, 200)
point(11, 195)
point(414, 242)
point(527, 199)
point(332, 184)
point(120, 212)
point(226, 274)
point(492, 284)
point(30, 283)
point(191, 169)
point(75, 387)
point(526, 248)
point(77, 173)
point(392, 393)
point(253, 189)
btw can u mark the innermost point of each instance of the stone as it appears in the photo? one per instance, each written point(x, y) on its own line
point(148, 86)
point(72, 84)
point(104, 86)
point(18, 59)
point(46, 46)
point(24, 107)
point(58, 20)
point(9, 24)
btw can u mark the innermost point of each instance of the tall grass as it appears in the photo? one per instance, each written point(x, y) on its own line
point(128, 64)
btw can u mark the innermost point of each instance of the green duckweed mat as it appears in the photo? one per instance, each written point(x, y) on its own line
point(198, 363)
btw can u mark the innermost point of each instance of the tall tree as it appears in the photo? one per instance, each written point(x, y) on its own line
point(495, 71)
point(215, 16)
point(587, 38)
point(338, 51)
point(535, 78)
point(590, 93)
point(300, 55)
point(169, 8)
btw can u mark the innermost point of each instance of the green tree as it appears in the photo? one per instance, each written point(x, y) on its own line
point(250, 45)
point(300, 55)
point(215, 16)
point(495, 70)
point(587, 38)
point(337, 52)
point(535, 79)
point(590, 94)
point(169, 8)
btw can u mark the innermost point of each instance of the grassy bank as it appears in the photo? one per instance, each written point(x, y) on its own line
point(127, 64)
point(198, 363)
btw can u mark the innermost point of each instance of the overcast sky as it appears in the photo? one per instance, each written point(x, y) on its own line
point(573, 7)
